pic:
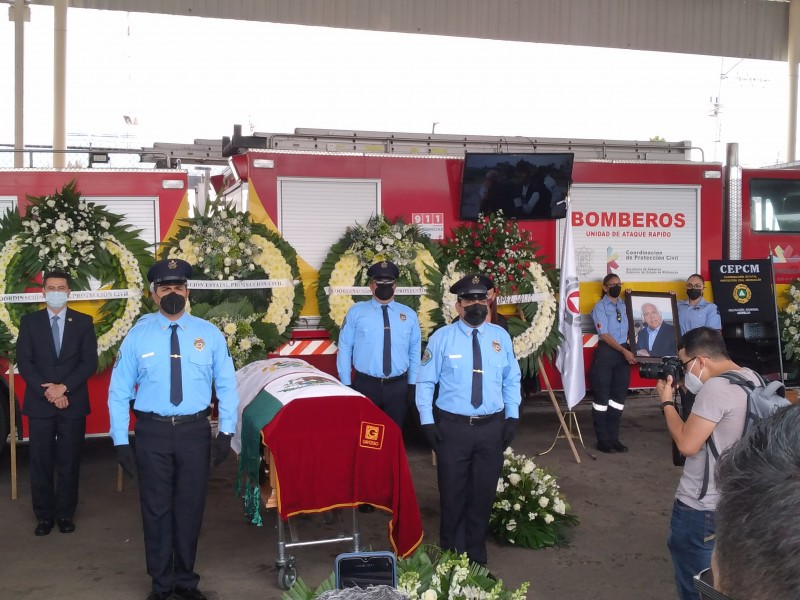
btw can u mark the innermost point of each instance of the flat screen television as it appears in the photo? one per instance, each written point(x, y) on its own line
point(523, 186)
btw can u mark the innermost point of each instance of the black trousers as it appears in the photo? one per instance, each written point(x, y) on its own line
point(468, 464)
point(55, 451)
point(173, 464)
point(610, 376)
point(390, 396)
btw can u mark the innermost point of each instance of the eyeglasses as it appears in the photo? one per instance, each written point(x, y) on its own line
point(696, 286)
point(703, 583)
point(687, 362)
point(619, 316)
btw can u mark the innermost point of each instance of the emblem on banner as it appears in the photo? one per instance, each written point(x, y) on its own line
point(371, 435)
point(742, 294)
point(199, 343)
point(496, 345)
point(583, 260)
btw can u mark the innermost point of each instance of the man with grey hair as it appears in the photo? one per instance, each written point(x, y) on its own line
point(758, 533)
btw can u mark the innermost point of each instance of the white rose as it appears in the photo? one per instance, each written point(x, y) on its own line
point(549, 519)
point(517, 506)
point(544, 501)
point(514, 479)
point(429, 595)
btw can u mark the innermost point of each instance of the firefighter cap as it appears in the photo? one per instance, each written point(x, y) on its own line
point(383, 270)
point(472, 287)
point(169, 270)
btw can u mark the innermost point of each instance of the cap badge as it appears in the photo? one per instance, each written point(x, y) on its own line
point(384, 264)
point(199, 343)
point(476, 279)
point(172, 264)
point(496, 345)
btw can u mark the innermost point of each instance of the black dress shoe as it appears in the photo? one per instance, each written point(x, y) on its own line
point(44, 527)
point(160, 596)
point(65, 525)
point(619, 446)
point(607, 448)
point(183, 593)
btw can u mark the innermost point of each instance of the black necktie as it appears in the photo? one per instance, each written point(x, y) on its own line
point(387, 342)
point(477, 371)
point(175, 386)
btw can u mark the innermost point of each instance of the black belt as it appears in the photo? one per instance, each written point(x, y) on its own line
point(381, 380)
point(477, 420)
point(174, 419)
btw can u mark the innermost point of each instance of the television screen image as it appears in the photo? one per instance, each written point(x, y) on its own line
point(523, 186)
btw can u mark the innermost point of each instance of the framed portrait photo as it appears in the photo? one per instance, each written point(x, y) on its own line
point(653, 328)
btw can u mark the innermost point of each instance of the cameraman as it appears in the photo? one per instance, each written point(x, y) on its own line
point(718, 413)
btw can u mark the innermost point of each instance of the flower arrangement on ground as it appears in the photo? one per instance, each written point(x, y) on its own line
point(431, 574)
point(507, 254)
point(227, 247)
point(789, 319)
point(415, 255)
point(529, 510)
point(63, 231)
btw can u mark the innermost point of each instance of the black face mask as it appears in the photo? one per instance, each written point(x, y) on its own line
point(614, 291)
point(475, 314)
point(694, 294)
point(384, 291)
point(173, 303)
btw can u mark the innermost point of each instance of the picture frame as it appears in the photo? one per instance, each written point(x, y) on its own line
point(652, 311)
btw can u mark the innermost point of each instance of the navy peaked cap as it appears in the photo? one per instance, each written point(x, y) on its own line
point(383, 270)
point(170, 270)
point(472, 287)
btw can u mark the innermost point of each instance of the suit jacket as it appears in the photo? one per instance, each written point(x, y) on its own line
point(663, 345)
point(38, 363)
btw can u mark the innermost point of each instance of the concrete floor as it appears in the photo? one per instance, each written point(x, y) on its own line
point(618, 552)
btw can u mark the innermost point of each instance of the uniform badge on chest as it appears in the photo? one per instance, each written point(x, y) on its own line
point(496, 345)
point(199, 343)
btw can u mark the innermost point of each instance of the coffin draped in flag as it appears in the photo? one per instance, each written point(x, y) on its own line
point(570, 353)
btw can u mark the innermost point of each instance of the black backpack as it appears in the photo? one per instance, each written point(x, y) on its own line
point(762, 401)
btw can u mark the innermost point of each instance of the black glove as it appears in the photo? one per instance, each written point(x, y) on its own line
point(432, 436)
point(126, 460)
point(509, 430)
point(221, 448)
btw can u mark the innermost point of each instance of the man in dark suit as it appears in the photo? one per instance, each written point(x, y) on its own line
point(656, 338)
point(56, 355)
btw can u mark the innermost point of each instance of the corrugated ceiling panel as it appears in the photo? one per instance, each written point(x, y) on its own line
point(739, 28)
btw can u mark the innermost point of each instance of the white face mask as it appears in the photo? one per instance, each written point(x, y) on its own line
point(693, 382)
point(56, 299)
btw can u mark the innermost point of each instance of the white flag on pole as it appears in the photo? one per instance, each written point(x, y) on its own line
point(569, 360)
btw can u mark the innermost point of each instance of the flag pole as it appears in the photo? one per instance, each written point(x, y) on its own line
point(563, 425)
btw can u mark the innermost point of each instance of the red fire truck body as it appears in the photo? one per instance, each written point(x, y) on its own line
point(150, 200)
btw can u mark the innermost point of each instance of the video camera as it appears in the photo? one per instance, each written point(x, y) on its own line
point(669, 366)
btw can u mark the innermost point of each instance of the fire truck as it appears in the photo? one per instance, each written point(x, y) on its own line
point(151, 200)
point(653, 212)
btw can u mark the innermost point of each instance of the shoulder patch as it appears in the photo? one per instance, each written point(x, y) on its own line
point(426, 357)
point(598, 325)
point(119, 357)
point(403, 316)
point(496, 345)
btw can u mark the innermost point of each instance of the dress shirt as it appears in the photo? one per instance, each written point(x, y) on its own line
point(448, 362)
point(604, 316)
point(143, 361)
point(692, 316)
point(651, 336)
point(361, 341)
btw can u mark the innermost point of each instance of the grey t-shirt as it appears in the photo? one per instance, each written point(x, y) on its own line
point(725, 404)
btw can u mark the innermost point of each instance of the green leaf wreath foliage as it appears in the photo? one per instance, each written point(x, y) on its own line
point(789, 319)
point(362, 245)
point(431, 574)
point(497, 247)
point(65, 232)
point(226, 245)
point(529, 510)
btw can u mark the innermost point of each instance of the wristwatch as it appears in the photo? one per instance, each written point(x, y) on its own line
point(664, 405)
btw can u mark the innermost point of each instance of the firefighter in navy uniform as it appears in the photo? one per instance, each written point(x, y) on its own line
point(167, 362)
point(477, 411)
point(610, 373)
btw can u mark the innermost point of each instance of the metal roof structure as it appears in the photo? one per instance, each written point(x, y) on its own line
point(756, 29)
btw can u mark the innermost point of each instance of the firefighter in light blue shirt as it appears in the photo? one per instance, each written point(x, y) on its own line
point(384, 366)
point(610, 373)
point(168, 362)
point(477, 411)
point(696, 311)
